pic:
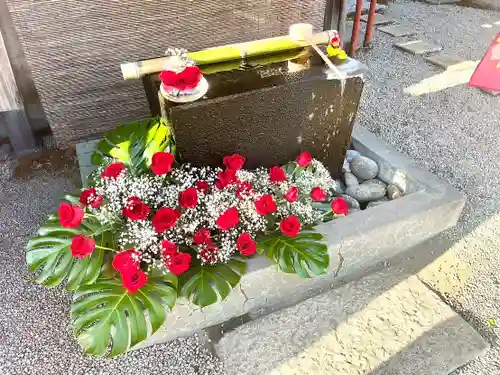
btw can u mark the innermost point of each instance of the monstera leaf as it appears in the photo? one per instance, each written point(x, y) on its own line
point(205, 285)
point(105, 314)
point(49, 255)
point(135, 143)
point(303, 254)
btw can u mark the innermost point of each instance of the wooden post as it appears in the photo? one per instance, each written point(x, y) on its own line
point(369, 26)
point(356, 27)
point(12, 114)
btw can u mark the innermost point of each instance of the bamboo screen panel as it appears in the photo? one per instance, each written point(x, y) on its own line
point(75, 47)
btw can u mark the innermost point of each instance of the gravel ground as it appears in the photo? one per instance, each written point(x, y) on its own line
point(35, 335)
point(453, 133)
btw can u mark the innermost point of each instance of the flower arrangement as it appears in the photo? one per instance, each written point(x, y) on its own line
point(150, 230)
point(182, 80)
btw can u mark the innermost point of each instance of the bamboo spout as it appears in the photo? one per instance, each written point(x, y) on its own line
point(138, 69)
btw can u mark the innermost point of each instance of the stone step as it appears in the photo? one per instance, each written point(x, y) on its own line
point(383, 324)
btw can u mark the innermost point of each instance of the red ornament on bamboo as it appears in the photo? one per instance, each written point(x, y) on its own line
point(188, 79)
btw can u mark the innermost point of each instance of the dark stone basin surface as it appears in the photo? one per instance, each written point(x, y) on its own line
point(270, 113)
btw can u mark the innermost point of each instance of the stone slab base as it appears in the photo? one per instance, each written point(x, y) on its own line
point(356, 243)
point(379, 19)
point(419, 47)
point(378, 325)
point(397, 30)
point(444, 61)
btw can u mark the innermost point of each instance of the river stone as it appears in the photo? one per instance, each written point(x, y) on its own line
point(377, 202)
point(393, 192)
point(338, 187)
point(376, 182)
point(364, 168)
point(351, 154)
point(366, 192)
point(350, 180)
point(351, 202)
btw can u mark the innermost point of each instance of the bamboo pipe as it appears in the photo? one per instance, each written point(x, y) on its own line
point(138, 69)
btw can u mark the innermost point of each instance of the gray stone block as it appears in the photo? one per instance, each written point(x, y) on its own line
point(380, 19)
point(418, 47)
point(397, 30)
point(84, 152)
point(275, 115)
point(356, 243)
point(443, 60)
point(382, 324)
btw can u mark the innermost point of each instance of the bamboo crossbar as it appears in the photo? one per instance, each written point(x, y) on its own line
point(138, 69)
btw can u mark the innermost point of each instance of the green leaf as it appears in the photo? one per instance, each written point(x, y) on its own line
point(205, 285)
point(135, 143)
point(49, 255)
point(492, 322)
point(303, 254)
point(106, 315)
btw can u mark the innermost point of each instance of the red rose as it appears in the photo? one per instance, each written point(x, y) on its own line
point(135, 209)
point(226, 178)
point(265, 205)
point(128, 259)
point(169, 248)
point(134, 279)
point(186, 80)
point(318, 194)
point(202, 237)
point(179, 263)
point(290, 226)
point(82, 246)
point(165, 218)
point(161, 163)
point(70, 216)
point(113, 170)
point(209, 254)
point(277, 174)
point(246, 245)
point(339, 206)
point(202, 186)
point(235, 161)
point(90, 198)
point(291, 194)
point(228, 219)
point(304, 159)
point(244, 190)
point(188, 198)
